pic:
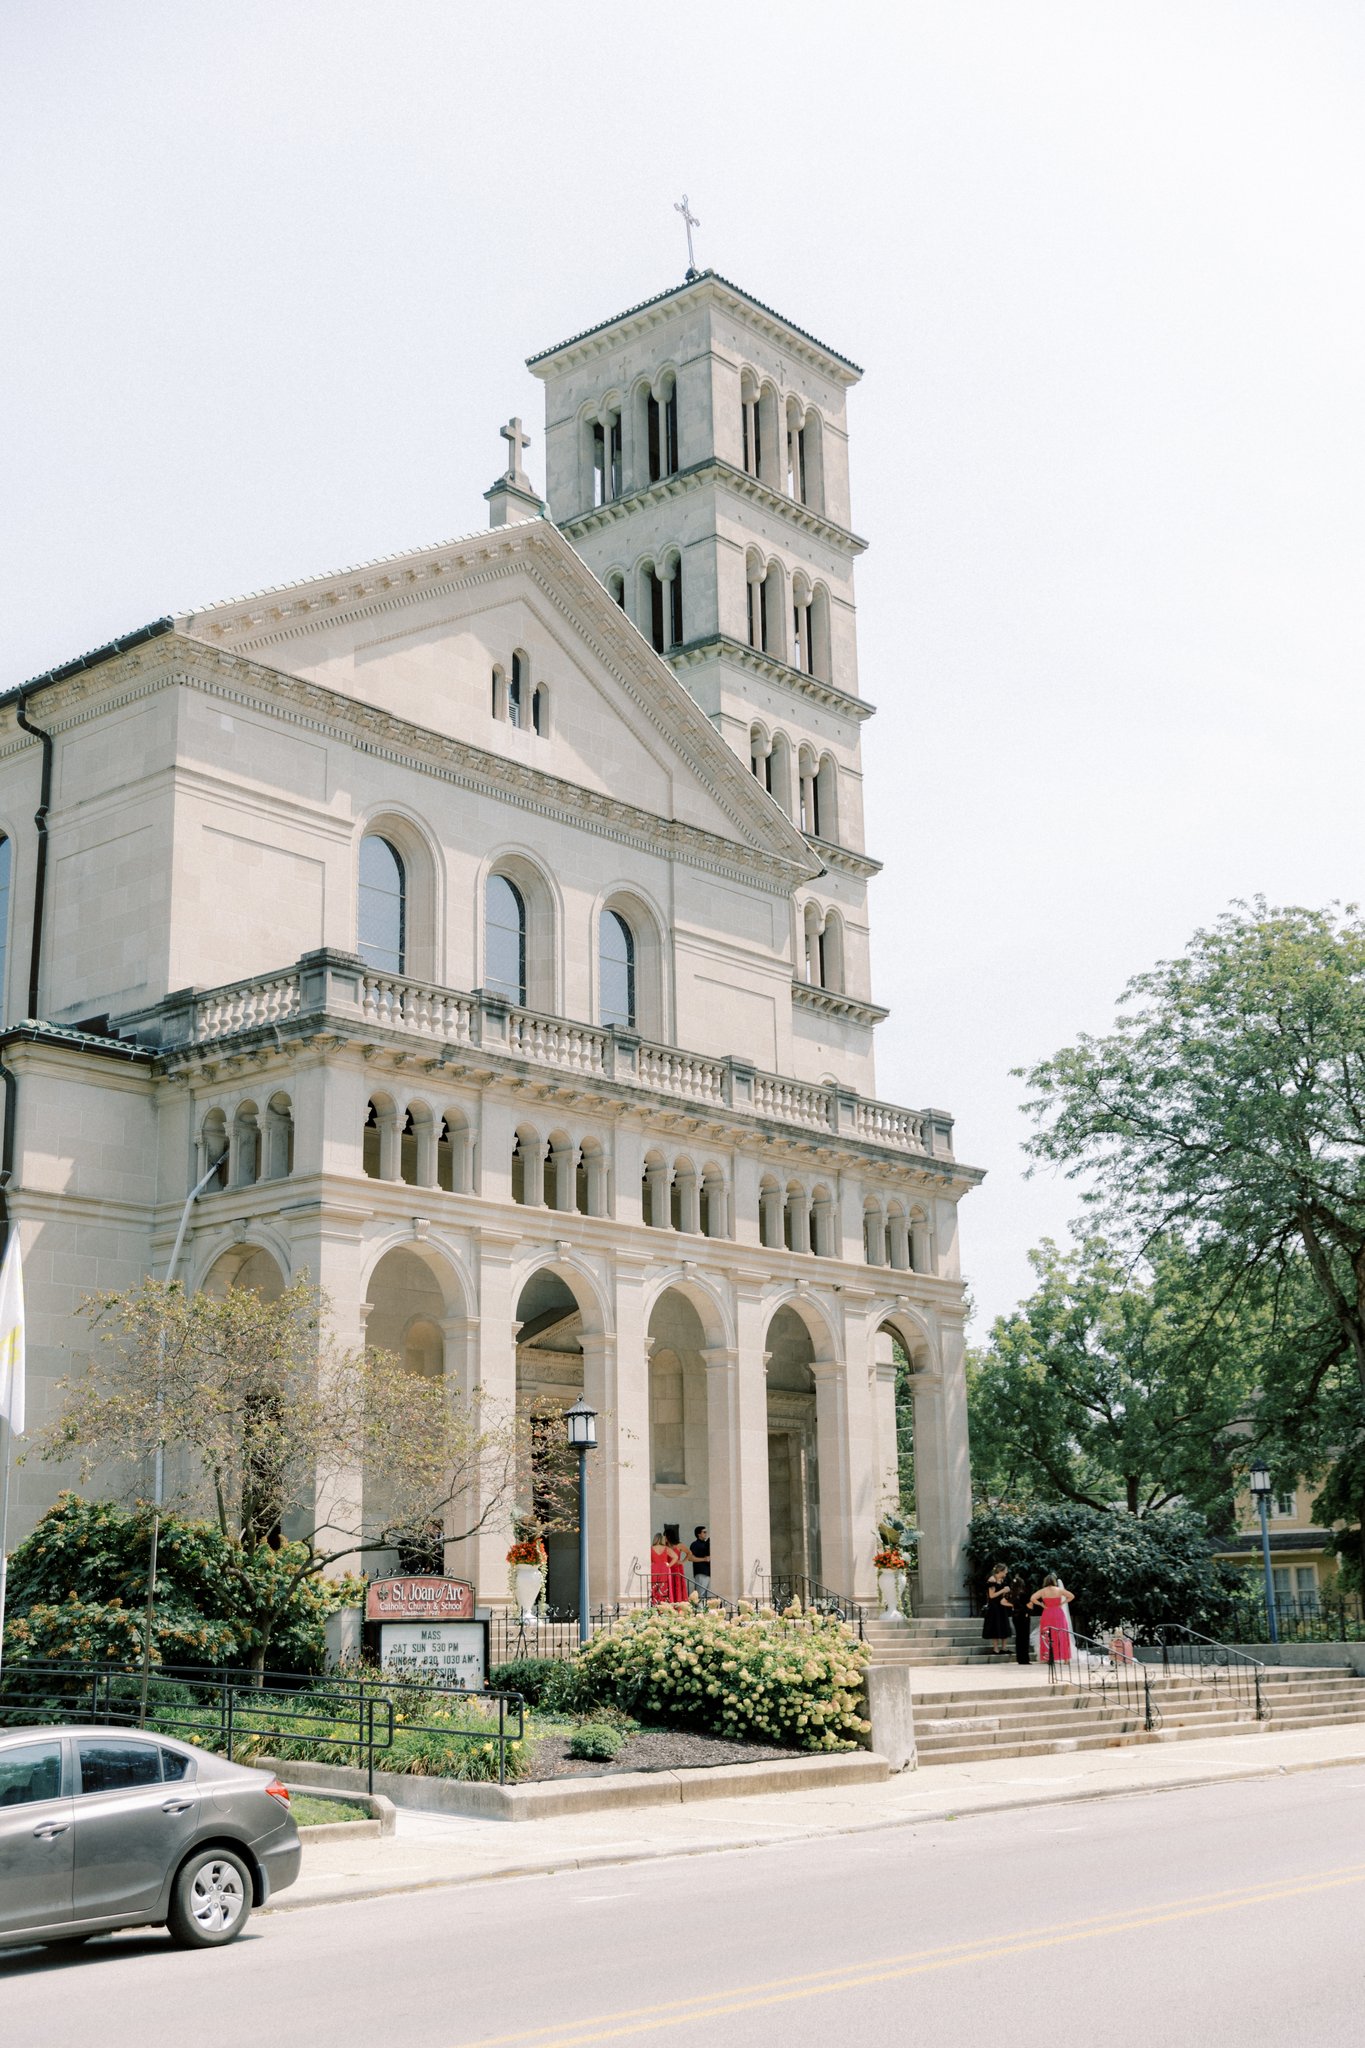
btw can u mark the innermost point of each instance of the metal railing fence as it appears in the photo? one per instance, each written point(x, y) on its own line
point(358, 1713)
point(1320, 1618)
point(1185, 1653)
point(1092, 1667)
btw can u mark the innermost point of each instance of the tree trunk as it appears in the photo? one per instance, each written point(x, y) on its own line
point(1132, 1484)
point(257, 1665)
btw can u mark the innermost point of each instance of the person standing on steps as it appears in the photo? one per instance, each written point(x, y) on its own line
point(700, 1554)
point(1016, 1600)
point(995, 1629)
point(1054, 1634)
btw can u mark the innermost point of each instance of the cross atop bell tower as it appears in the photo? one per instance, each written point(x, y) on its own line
point(512, 497)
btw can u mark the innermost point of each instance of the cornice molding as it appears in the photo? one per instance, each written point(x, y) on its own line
point(772, 670)
point(707, 288)
point(714, 469)
point(843, 858)
point(830, 1003)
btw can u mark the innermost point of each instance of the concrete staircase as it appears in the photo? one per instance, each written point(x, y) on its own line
point(985, 1723)
point(925, 1641)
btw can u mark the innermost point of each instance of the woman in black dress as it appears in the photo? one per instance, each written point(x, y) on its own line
point(996, 1628)
point(1016, 1600)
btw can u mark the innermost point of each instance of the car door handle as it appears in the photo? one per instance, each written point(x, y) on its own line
point(49, 1829)
point(176, 1805)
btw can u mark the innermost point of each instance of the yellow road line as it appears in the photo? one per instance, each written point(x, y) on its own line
point(854, 1976)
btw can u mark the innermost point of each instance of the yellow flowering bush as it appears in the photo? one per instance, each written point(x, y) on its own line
point(786, 1678)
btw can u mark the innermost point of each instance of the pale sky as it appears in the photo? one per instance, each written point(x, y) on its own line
point(271, 270)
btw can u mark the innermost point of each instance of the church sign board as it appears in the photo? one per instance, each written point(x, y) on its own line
point(405, 1598)
point(427, 1630)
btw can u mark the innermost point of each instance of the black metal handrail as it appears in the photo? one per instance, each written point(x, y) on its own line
point(1188, 1653)
point(1096, 1667)
point(781, 1589)
point(224, 1710)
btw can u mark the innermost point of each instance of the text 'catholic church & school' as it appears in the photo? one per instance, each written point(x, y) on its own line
point(498, 913)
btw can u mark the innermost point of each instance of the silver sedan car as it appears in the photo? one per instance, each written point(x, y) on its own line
point(113, 1827)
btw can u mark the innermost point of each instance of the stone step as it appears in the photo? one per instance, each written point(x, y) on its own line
point(974, 1752)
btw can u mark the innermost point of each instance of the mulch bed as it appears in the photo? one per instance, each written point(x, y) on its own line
point(654, 1749)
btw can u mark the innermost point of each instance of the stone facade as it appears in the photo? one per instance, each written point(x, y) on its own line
point(669, 1182)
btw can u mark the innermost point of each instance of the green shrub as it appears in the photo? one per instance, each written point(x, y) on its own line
point(1140, 1569)
point(795, 1681)
point(81, 1578)
point(596, 1743)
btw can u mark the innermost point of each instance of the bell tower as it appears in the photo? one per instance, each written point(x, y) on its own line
point(697, 459)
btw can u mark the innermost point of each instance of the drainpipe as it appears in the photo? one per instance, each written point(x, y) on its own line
point(35, 962)
point(35, 958)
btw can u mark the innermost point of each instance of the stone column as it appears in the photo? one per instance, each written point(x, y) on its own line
point(656, 1179)
point(689, 1204)
point(884, 1416)
point(564, 1166)
point(327, 1244)
point(532, 1155)
point(492, 1353)
point(943, 1488)
point(623, 1545)
point(737, 1451)
point(800, 1214)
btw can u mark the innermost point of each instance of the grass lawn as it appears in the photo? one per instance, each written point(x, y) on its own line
point(312, 1809)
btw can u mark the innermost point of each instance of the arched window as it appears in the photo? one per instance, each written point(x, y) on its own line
point(540, 711)
point(516, 691)
point(505, 939)
point(6, 854)
point(616, 960)
point(381, 921)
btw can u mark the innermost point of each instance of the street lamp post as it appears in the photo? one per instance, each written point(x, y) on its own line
point(1260, 1493)
point(582, 1422)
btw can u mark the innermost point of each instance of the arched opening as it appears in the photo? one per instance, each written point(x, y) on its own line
point(246, 1146)
point(811, 460)
point(793, 1457)
point(760, 756)
point(769, 438)
point(826, 805)
point(504, 939)
point(771, 1213)
point(540, 711)
point(549, 1380)
point(381, 914)
point(874, 1232)
point(774, 610)
point(264, 1504)
point(561, 1170)
point(380, 1149)
point(780, 772)
point(821, 659)
point(686, 1201)
point(832, 951)
point(679, 1463)
point(894, 1423)
point(661, 429)
point(407, 1308)
point(755, 573)
point(213, 1147)
point(278, 1139)
point(616, 967)
point(519, 690)
point(417, 1150)
point(796, 1217)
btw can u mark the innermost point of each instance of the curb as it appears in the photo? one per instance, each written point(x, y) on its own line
point(608, 1858)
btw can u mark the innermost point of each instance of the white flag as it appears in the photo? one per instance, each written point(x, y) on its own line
point(12, 1336)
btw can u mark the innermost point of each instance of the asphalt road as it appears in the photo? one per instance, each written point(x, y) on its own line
point(1231, 1913)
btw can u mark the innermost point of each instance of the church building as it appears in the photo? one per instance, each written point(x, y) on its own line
point(495, 916)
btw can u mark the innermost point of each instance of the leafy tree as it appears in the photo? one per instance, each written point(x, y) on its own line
point(1227, 1106)
point(265, 1423)
point(1113, 1386)
point(1139, 1570)
point(78, 1584)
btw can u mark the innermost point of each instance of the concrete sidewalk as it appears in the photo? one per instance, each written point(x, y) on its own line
point(433, 1849)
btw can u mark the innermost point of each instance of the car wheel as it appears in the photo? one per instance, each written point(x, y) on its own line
point(210, 1899)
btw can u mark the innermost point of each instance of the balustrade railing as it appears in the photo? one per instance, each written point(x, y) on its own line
point(331, 983)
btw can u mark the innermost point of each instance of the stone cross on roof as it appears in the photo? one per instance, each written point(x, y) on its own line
point(690, 221)
point(516, 440)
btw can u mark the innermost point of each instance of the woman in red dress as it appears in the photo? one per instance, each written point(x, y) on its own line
point(1054, 1632)
point(659, 1574)
point(677, 1571)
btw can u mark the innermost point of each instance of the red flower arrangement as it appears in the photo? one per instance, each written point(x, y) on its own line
point(531, 1552)
point(889, 1561)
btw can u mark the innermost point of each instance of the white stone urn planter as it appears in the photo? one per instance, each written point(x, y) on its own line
point(529, 1580)
point(890, 1586)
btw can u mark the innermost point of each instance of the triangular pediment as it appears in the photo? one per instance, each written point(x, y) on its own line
point(416, 637)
